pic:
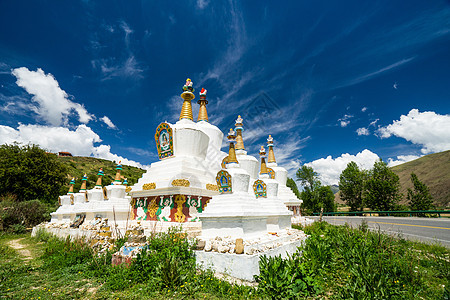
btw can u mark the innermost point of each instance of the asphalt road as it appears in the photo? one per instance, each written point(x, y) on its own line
point(421, 229)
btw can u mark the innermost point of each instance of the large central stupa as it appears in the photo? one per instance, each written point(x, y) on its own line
point(232, 203)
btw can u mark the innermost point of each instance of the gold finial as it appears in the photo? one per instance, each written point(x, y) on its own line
point(118, 168)
point(239, 128)
point(202, 114)
point(271, 158)
point(188, 96)
point(72, 183)
point(99, 179)
point(262, 154)
point(83, 183)
point(231, 151)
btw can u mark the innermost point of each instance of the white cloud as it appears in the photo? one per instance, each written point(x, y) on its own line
point(104, 151)
point(329, 169)
point(54, 105)
point(364, 109)
point(108, 122)
point(201, 4)
point(401, 159)
point(428, 129)
point(373, 123)
point(362, 131)
point(80, 142)
point(345, 120)
point(54, 139)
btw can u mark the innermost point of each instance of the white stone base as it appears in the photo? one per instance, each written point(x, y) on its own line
point(241, 266)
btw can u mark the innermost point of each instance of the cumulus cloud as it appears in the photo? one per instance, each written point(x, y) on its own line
point(108, 122)
point(81, 141)
point(401, 159)
point(329, 169)
point(428, 129)
point(364, 109)
point(362, 131)
point(53, 104)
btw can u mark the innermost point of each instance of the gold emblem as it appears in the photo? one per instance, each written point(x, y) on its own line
point(212, 187)
point(179, 216)
point(152, 208)
point(149, 186)
point(181, 182)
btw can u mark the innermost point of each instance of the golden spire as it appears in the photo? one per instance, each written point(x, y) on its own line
point(231, 151)
point(72, 183)
point(188, 96)
point(239, 129)
point(118, 168)
point(99, 179)
point(271, 158)
point(262, 154)
point(202, 114)
point(83, 183)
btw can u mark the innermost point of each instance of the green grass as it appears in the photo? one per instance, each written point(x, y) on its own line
point(337, 262)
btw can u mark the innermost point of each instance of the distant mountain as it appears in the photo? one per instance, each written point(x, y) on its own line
point(433, 170)
point(78, 165)
point(334, 188)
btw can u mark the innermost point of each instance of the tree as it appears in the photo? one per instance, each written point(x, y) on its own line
point(314, 195)
point(326, 197)
point(351, 186)
point(420, 198)
point(382, 188)
point(291, 183)
point(307, 177)
point(29, 173)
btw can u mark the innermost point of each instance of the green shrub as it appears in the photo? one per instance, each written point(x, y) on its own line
point(284, 278)
point(26, 214)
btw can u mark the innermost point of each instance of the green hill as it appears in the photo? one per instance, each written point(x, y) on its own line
point(78, 165)
point(433, 170)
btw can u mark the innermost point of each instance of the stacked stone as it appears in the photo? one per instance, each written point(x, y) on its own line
point(102, 239)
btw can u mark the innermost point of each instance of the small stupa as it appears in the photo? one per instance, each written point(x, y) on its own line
point(278, 173)
point(235, 212)
point(266, 190)
point(247, 162)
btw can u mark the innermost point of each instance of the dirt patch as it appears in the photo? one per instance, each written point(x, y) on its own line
point(16, 245)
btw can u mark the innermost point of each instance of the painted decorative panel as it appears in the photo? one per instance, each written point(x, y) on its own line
point(223, 180)
point(164, 140)
point(260, 188)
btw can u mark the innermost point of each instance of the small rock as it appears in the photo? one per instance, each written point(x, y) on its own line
point(223, 249)
point(208, 246)
point(200, 244)
point(239, 248)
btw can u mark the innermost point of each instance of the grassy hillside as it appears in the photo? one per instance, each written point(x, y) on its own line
point(78, 165)
point(433, 170)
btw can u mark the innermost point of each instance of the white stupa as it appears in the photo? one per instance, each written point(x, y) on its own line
point(178, 187)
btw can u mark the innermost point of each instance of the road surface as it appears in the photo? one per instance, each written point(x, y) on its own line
point(427, 230)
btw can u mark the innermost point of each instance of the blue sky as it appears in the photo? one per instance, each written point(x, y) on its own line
point(332, 81)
